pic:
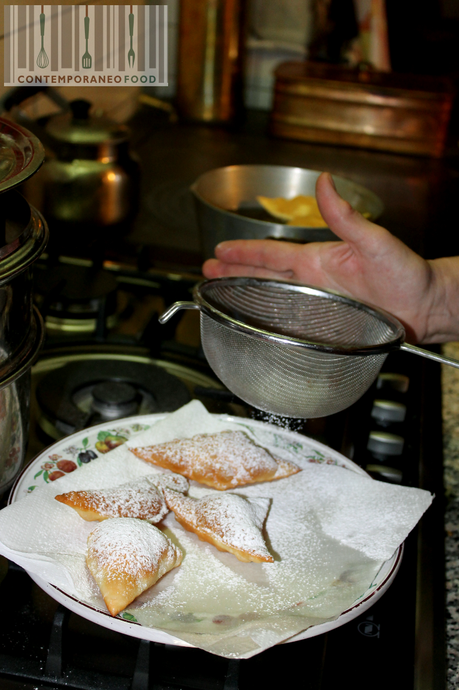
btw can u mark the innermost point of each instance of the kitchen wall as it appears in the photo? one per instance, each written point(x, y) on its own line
point(117, 102)
point(278, 31)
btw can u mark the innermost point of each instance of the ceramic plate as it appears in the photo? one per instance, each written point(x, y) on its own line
point(72, 452)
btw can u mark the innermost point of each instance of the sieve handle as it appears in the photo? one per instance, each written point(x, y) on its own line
point(165, 316)
point(429, 355)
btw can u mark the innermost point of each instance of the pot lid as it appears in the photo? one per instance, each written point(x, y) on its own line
point(12, 368)
point(21, 154)
point(23, 235)
point(78, 127)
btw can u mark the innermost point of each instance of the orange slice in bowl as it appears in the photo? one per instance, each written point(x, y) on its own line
point(301, 210)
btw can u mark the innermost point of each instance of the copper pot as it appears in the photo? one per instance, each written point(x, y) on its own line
point(90, 181)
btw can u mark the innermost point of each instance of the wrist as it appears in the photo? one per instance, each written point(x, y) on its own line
point(442, 308)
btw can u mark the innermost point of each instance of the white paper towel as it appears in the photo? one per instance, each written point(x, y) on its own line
point(329, 529)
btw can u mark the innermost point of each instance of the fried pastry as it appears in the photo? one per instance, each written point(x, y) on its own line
point(228, 521)
point(223, 460)
point(301, 210)
point(141, 499)
point(126, 557)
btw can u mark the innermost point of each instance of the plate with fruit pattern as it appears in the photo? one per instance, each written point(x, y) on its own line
point(74, 451)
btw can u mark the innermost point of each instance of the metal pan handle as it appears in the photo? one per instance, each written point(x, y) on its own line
point(165, 316)
point(430, 355)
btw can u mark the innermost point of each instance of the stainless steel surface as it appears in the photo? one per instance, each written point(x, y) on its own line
point(15, 364)
point(227, 207)
point(21, 330)
point(429, 355)
point(26, 236)
point(15, 402)
point(23, 238)
point(14, 425)
point(21, 154)
point(293, 350)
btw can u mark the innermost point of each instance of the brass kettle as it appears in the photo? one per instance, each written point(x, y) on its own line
point(89, 177)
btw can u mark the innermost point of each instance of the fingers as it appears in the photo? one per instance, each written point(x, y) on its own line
point(279, 256)
point(214, 268)
point(348, 224)
point(272, 255)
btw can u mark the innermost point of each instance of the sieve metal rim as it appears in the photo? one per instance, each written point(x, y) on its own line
point(216, 314)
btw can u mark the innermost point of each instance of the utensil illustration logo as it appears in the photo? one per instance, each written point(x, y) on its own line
point(91, 45)
point(42, 59)
point(87, 59)
point(131, 53)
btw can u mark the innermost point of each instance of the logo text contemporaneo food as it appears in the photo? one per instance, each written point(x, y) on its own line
point(91, 45)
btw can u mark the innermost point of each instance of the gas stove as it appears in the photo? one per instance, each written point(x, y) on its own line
point(99, 364)
point(109, 356)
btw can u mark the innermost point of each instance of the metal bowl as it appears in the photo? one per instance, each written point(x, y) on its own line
point(227, 208)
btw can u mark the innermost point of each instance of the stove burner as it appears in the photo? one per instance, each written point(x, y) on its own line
point(73, 298)
point(115, 399)
point(88, 392)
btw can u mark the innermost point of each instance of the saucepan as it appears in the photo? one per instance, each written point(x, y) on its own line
point(227, 206)
point(23, 237)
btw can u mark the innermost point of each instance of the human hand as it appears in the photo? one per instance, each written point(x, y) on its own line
point(369, 264)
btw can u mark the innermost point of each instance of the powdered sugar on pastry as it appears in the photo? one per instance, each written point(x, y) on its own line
point(228, 521)
point(170, 481)
point(126, 556)
point(223, 460)
point(140, 499)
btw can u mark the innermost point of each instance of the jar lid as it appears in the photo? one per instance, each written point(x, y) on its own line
point(21, 154)
point(78, 127)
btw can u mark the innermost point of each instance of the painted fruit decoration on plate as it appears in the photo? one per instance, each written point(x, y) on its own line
point(109, 441)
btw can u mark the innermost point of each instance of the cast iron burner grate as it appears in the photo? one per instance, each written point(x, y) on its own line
point(85, 393)
point(74, 298)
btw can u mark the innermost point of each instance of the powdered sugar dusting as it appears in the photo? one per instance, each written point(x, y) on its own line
point(213, 600)
point(234, 520)
point(128, 547)
point(141, 499)
point(223, 460)
point(170, 481)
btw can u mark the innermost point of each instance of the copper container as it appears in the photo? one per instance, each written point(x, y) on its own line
point(366, 109)
point(211, 39)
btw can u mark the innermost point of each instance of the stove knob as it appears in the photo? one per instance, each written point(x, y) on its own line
point(397, 383)
point(381, 443)
point(385, 473)
point(388, 412)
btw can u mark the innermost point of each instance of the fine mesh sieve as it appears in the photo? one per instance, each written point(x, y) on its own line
point(293, 350)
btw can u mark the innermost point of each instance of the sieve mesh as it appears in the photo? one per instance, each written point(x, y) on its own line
point(300, 315)
point(286, 378)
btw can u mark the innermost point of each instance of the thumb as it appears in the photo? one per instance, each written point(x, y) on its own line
point(349, 225)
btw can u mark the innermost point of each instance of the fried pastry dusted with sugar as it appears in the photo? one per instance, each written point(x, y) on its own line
point(228, 521)
point(141, 499)
point(223, 460)
point(126, 557)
